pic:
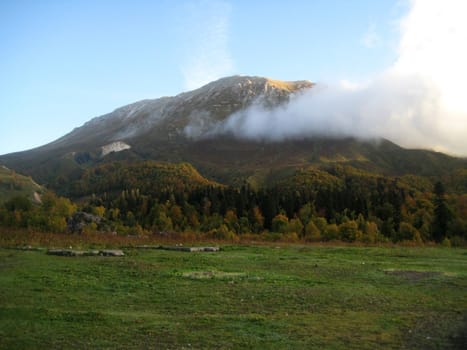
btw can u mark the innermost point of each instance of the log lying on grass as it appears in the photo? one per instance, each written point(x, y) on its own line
point(71, 252)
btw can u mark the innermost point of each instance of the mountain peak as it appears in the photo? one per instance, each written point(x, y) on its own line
point(290, 86)
point(242, 82)
point(179, 129)
point(166, 117)
point(236, 92)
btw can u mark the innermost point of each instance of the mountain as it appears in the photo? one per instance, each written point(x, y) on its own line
point(164, 119)
point(176, 130)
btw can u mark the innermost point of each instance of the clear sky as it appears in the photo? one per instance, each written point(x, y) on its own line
point(65, 62)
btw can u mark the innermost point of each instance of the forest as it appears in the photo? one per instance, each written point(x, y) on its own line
point(312, 205)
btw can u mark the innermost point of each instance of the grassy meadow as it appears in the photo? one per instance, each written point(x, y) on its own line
point(243, 297)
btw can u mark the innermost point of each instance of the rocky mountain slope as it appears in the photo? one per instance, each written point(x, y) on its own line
point(166, 118)
point(176, 129)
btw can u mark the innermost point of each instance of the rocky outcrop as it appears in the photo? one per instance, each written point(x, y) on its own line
point(111, 252)
point(117, 146)
point(72, 252)
point(80, 219)
point(180, 248)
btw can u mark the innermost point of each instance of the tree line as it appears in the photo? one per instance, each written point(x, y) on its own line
point(311, 206)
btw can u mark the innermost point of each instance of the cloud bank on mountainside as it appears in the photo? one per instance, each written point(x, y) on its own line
point(417, 102)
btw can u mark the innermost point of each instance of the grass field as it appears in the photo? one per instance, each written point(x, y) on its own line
point(244, 297)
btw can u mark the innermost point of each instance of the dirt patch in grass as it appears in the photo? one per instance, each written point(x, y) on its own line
point(447, 330)
point(213, 274)
point(412, 275)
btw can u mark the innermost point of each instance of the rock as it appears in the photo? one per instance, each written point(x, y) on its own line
point(211, 249)
point(190, 249)
point(70, 252)
point(29, 248)
point(78, 253)
point(91, 253)
point(66, 252)
point(203, 249)
point(80, 219)
point(60, 252)
point(145, 246)
point(112, 252)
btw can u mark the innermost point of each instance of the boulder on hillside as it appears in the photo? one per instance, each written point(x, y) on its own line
point(80, 219)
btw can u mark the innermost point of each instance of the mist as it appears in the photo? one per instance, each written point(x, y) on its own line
point(418, 102)
point(402, 109)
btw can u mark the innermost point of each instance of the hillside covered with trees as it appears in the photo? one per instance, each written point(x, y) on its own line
point(183, 164)
point(313, 204)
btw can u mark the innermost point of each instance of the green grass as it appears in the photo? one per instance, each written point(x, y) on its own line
point(244, 297)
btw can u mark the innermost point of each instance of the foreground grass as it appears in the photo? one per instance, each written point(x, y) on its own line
point(244, 297)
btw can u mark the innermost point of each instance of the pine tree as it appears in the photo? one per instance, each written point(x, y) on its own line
point(441, 213)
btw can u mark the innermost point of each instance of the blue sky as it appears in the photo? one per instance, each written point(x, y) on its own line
point(65, 62)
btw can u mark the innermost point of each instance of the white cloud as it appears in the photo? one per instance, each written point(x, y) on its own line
point(389, 106)
point(434, 45)
point(419, 101)
point(207, 53)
